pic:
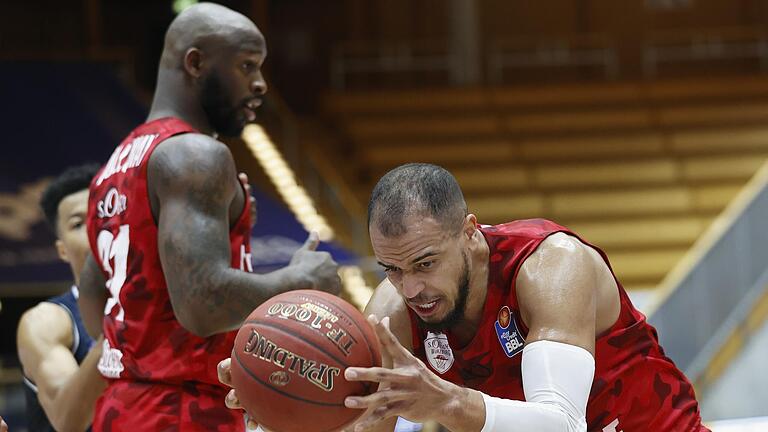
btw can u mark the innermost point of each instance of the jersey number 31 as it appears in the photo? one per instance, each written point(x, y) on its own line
point(113, 254)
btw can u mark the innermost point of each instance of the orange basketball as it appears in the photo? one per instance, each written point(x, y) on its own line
point(289, 358)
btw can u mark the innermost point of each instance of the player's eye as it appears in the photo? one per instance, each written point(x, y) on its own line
point(248, 66)
point(426, 265)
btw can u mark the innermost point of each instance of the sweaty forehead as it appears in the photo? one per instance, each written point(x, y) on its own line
point(422, 236)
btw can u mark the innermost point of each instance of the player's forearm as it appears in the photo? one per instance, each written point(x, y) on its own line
point(73, 404)
point(92, 297)
point(227, 297)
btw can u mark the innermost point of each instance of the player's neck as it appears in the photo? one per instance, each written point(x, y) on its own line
point(172, 99)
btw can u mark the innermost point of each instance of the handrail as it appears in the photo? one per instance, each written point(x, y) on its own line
point(714, 233)
point(716, 284)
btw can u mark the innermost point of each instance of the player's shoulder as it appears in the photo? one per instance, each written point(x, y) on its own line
point(189, 150)
point(558, 249)
point(46, 320)
point(183, 158)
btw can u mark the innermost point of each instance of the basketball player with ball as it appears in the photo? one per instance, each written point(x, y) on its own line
point(521, 326)
point(169, 231)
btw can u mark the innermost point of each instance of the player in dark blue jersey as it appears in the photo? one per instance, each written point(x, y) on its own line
point(58, 356)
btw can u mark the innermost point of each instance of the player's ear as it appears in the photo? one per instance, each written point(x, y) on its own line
point(470, 225)
point(193, 62)
point(61, 250)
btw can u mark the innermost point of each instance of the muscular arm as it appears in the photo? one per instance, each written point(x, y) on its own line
point(93, 296)
point(557, 289)
point(194, 181)
point(66, 392)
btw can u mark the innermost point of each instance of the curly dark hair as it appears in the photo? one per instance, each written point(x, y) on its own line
point(72, 180)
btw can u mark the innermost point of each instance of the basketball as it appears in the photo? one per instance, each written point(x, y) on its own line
point(289, 358)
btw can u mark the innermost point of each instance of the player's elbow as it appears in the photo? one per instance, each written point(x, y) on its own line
point(199, 323)
point(70, 420)
point(198, 306)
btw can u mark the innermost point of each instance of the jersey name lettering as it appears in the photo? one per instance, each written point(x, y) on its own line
point(127, 156)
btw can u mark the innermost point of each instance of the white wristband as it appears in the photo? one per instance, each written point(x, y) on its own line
point(557, 379)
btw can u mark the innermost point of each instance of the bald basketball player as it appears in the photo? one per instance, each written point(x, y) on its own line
point(61, 383)
point(168, 225)
point(516, 327)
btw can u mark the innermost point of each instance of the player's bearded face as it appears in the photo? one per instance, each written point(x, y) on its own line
point(223, 112)
point(460, 294)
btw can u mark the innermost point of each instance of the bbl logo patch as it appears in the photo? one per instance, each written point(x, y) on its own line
point(439, 352)
point(511, 340)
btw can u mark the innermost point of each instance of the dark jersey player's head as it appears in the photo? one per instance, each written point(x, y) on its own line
point(65, 204)
point(212, 60)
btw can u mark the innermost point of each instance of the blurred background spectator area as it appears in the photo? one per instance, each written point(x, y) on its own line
point(640, 124)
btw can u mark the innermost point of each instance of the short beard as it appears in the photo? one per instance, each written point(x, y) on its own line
point(221, 115)
point(457, 314)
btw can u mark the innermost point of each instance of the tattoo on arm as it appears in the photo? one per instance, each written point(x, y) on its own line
point(195, 186)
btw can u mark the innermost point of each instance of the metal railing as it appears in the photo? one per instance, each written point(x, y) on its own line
point(569, 51)
point(373, 57)
point(689, 46)
point(714, 286)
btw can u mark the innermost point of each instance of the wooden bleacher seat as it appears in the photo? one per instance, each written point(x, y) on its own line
point(623, 203)
point(641, 232)
point(722, 168)
point(444, 152)
point(604, 119)
point(499, 208)
point(592, 147)
point(723, 140)
point(392, 127)
point(373, 102)
point(510, 177)
point(713, 114)
point(644, 266)
point(606, 174)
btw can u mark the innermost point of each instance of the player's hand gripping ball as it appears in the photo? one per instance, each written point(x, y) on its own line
point(289, 358)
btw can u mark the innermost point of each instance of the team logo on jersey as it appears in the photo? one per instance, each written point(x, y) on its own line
point(439, 352)
point(113, 204)
point(511, 340)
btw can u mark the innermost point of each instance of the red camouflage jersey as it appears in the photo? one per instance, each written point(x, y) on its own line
point(144, 343)
point(636, 387)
